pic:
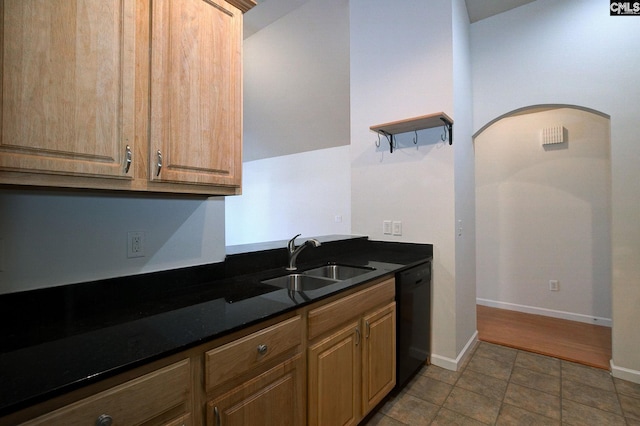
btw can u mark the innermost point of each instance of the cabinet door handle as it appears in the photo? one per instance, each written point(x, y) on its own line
point(368, 329)
point(216, 416)
point(357, 336)
point(104, 420)
point(127, 161)
point(159, 164)
point(262, 349)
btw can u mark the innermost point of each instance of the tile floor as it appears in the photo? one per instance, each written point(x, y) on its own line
point(504, 386)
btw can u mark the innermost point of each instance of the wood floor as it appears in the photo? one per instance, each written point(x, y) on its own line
point(569, 340)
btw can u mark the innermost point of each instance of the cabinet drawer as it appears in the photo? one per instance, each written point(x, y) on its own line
point(333, 314)
point(235, 358)
point(133, 402)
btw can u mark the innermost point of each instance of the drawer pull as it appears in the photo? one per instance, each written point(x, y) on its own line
point(262, 349)
point(357, 336)
point(104, 420)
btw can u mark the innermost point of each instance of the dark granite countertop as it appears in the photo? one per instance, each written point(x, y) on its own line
point(59, 339)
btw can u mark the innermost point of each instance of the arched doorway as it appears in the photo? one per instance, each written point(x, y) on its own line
point(543, 213)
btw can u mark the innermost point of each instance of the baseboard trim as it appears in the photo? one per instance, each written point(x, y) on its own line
point(605, 322)
point(625, 373)
point(455, 364)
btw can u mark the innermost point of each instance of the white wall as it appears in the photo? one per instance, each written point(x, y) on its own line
point(572, 52)
point(55, 238)
point(296, 82)
point(293, 194)
point(296, 174)
point(543, 213)
point(402, 65)
point(464, 181)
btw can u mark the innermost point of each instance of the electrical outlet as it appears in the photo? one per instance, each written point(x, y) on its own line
point(554, 285)
point(386, 227)
point(397, 227)
point(135, 244)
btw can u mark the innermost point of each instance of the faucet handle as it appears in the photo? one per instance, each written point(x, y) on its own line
point(313, 242)
point(291, 246)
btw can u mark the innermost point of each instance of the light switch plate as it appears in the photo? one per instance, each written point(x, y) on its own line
point(397, 227)
point(386, 227)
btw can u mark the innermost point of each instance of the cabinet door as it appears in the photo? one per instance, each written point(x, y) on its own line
point(67, 86)
point(334, 378)
point(274, 398)
point(196, 92)
point(378, 356)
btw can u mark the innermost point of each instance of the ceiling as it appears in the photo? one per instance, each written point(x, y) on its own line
point(481, 9)
point(269, 11)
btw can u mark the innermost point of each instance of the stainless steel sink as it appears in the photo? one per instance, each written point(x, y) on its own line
point(300, 282)
point(338, 272)
point(316, 278)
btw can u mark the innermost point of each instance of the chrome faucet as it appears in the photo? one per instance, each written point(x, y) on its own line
point(295, 251)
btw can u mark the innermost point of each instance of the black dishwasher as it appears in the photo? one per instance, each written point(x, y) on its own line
point(413, 321)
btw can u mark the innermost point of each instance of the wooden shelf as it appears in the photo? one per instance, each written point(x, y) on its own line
point(414, 124)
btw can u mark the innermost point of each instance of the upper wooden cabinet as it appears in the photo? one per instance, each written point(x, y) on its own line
point(196, 92)
point(67, 87)
point(129, 95)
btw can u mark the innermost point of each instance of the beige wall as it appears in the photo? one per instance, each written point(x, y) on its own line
point(544, 213)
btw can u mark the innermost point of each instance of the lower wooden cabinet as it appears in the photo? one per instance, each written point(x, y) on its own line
point(329, 363)
point(258, 379)
point(273, 398)
point(352, 367)
point(159, 398)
